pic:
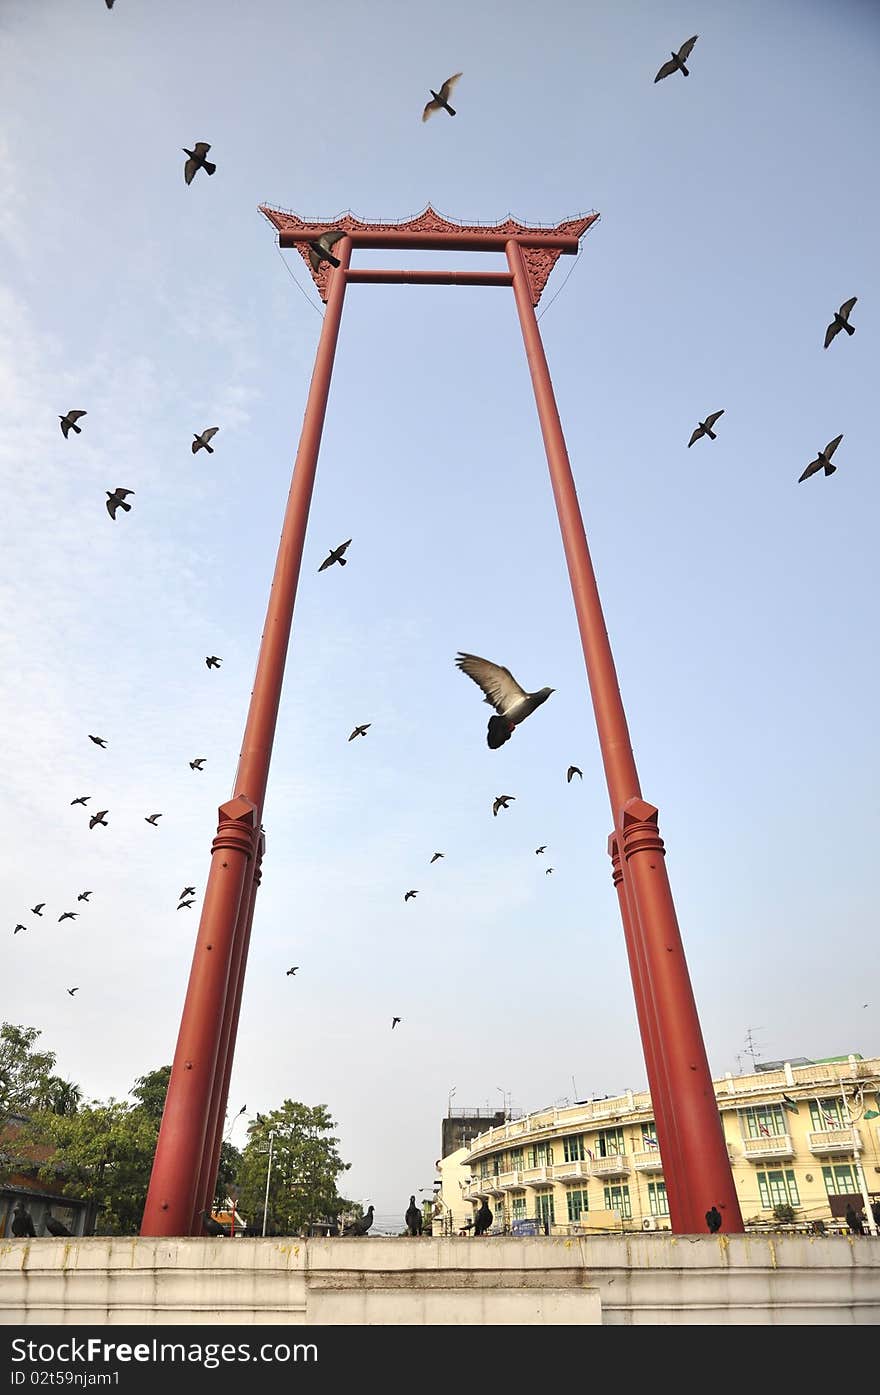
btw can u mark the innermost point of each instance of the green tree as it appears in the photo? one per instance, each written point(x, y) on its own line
point(23, 1070)
point(228, 1174)
point(305, 1169)
point(150, 1091)
point(57, 1096)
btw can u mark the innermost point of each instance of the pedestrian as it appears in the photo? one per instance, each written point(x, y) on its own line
point(713, 1220)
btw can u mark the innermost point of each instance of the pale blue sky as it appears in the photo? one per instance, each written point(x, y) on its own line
point(738, 208)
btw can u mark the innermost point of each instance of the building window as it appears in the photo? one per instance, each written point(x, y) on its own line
point(518, 1206)
point(516, 1158)
point(484, 1168)
point(764, 1121)
point(657, 1199)
point(541, 1155)
point(840, 1180)
point(609, 1143)
point(578, 1202)
point(778, 1189)
point(617, 1199)
point(544, 1210)
point(825, 1115)
point(573, 1149)
point(497, 1160)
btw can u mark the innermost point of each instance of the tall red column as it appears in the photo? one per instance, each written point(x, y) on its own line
point(178, 1166)
point(691, 1135)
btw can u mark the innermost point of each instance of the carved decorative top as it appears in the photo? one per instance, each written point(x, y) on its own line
point(539, 260)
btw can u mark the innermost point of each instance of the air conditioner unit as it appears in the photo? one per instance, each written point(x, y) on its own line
point(649, 1223)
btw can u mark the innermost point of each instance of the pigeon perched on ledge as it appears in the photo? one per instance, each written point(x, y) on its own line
point(360, 1227)
point(512, 703)
point(413, 1217)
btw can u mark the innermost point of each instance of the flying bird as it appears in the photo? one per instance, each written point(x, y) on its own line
point(68, 423)
point(573, 770)
point(83, 800)
point(54, 1226)
point(548, 871)
point(823, 460)
point(197, 763)
point(19, 927)
point(705, 428)
point(840, 321)
point(201, 442)
point(394, 1022)
point(436, 855)
point(99, 818)
point(99, 741)
point(152, 818)
point(677, 61)
point(501, 803)
point(319, 250)
point(187, 904)
point(212, 661)
point(84, 896)
point(441, 98)
point(502, 692)
point(68, 915)
point(409, 894)
point(38, 908)
point(292, 971)
point(197, 161)
point(541, 849)
point(109, 4)
point(116, 500)
point(335, 556)
point(71, 991)
point(187, 891)
point(360, 731)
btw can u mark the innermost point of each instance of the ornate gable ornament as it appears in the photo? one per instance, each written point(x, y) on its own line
point(540, 260)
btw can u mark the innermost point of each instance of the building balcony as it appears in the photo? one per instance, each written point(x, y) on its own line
point(615, 1165)
point(648, 1161)
point(834, 1141)
point(777, 1145)
point(511, 1181)
point(536, 1176)
point(571, 1171)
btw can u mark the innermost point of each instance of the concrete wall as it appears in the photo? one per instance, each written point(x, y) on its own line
point(615, 1280)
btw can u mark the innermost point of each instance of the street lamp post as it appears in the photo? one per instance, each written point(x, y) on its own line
point(268, 1177)
point(449, 1102)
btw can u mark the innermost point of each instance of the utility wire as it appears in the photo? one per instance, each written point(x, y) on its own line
point(304, 292)
point(562, 287)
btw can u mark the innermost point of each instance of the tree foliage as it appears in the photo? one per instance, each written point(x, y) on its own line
point(25, 1072)
point(305, 1169)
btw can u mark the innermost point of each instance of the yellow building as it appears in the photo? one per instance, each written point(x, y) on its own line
point(799, 1134)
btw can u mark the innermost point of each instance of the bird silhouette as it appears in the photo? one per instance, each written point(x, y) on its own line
point(409, 894)
point(822, 461)
point(116, 500)
point(19, 927)
point(319, 250)
point(99, 818)
point(483, 1219)
point(109, 4)
point(71, 991)
point(573, 770)
point(68, 423)
point(292, 971)
point(335, 555)
point(83, 800)
point(512, 703)
point(841, 321)
point(394, 1022)
point(501, 803)
point(84, 896)
point(541, 849)
point(705, 427)
point(435, 857)
point(212, 661)
point(360, 731)
point(197, 763)
point(441, 99)
point(201, 442)
point(197, 161)
point(22, 1223)
point(713, 1220)
point(38, 908)
point(211, 1226)
point(187, 891)
point(548, 871)
point(413, 1217)
point(360, 1227)
point(152, 818)
point(98, 740)
point(56, 1227)
point(677, 61)
point(187, 904)
point(68, 915)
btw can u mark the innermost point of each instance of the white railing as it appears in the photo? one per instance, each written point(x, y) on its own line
point(648, 1161)
point(615, 1165)
point(843, 1140)
point(776, 1145)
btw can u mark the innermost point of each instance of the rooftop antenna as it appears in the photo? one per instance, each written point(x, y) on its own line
point(751, 1047)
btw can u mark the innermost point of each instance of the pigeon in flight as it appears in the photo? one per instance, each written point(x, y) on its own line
point(360, 731)
point(705, 428)
point(99, 818)
point(441, 98)
point(187, 891)
point(291, 971)
point(502, 691)
point(84, 896)
point(187, 904)
point(68, 423)
point(548, 871)
point(573, 770)
point(19, 927)
point(823, 460)
point(409, 894)
point(98, 740)
point(335, 556)
point(212, 661)
point(201, 442)
point(197, 161)
point(501, 803)
point(541, 849)
point(197, 763)
point(677, 61)
point(394, 1022)
point(83, 800)
point(152, 818)
point(435, 857)
point(38, 908)
point(109, 4)
point(319, 250)
point(116, 500)
point(841, 321)
point(68, 915)
point(71, 991)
